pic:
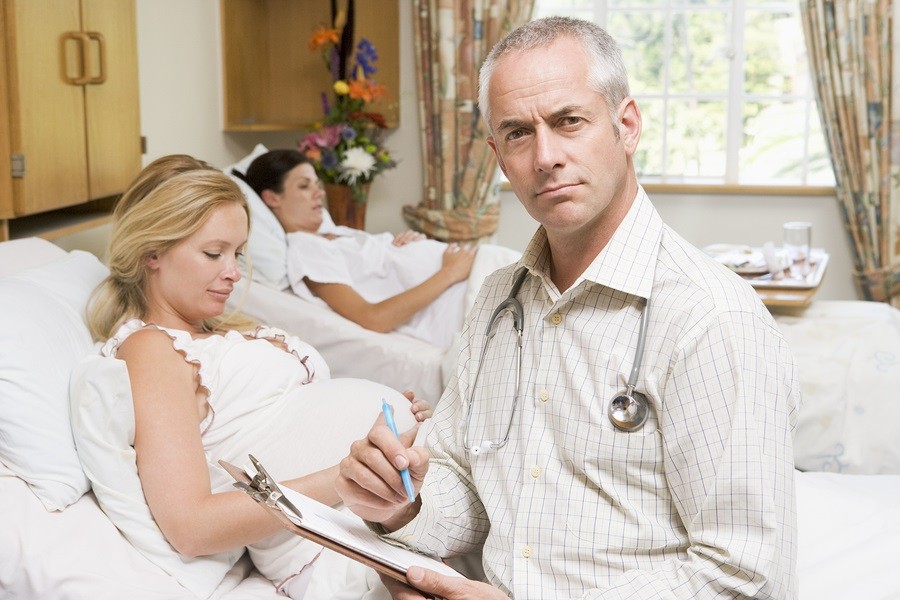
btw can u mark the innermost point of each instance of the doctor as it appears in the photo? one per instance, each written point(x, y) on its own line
point(695, 502)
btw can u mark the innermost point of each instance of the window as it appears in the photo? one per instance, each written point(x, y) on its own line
point(723, 87)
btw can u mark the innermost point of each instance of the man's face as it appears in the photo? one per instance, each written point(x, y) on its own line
point(566, 158)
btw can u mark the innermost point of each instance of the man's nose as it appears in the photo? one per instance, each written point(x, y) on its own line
point(547, 151)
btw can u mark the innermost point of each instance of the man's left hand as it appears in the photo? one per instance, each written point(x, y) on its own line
point(440, 586)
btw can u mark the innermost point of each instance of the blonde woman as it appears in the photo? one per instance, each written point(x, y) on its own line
point(202, 378)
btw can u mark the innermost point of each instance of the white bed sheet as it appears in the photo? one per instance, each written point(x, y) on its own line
point(849, 532)
point(78, 553)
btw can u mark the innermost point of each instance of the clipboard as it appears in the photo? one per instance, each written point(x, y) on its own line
point(342, 534)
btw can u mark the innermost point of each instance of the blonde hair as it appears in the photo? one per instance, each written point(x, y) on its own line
point(165, 215)
point(155, 173)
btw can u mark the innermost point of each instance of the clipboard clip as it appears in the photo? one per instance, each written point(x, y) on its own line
point(264, 489)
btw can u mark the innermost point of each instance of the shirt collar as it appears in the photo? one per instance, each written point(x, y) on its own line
point(628, 261)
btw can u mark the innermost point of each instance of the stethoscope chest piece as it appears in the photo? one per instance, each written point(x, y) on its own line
point(628, 411)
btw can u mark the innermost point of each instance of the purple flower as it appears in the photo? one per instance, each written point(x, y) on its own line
point(366, 57)
point(348, 134)
point(329, 160)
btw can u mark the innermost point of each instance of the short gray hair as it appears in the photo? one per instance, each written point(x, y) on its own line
point(607, 74)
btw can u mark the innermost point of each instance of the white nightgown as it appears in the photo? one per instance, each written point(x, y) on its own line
point(283, 408)
point(377, 269)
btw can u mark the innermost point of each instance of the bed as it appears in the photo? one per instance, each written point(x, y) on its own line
point(394, 359)
point(58, 543)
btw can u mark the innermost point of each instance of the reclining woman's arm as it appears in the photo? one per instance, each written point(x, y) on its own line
point(392, 312)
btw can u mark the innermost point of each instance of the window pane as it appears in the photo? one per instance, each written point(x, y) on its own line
point(695, 139)
point(641, 37)
point(773, 148)
point(648, 159)
point(775, 54)
point(821, 171)
point(698, 61)
point(582, 9)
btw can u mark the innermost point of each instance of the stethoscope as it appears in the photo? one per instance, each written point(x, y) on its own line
point(627, 412)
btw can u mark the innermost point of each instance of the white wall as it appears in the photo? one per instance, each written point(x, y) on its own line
point(181, 111)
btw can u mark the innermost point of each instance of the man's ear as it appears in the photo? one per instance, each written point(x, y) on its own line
point(271, 199)
point(493, 145)
point(629, 123)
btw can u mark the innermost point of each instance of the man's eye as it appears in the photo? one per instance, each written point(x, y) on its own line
point(571, 120)
point(515, 134)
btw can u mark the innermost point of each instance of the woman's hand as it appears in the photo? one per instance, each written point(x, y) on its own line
point(407, 237)
point(458, 260)
point(421, 409)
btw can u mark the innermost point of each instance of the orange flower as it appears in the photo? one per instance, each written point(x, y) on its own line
point(366, 90)
point(323, 36)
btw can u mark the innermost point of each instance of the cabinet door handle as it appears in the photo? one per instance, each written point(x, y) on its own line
point(101, 45)
point(83, 41)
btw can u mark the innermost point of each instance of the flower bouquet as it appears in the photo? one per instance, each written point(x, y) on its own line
point(347, 147)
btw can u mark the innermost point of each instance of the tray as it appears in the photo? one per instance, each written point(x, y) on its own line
point(812, 280)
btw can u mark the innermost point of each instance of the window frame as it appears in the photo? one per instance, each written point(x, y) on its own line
point(736, 98)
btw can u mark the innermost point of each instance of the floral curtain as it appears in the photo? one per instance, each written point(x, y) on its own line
point(856, 70)
point(452, 38)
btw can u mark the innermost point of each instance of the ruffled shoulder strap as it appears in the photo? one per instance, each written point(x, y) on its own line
point(181, 340)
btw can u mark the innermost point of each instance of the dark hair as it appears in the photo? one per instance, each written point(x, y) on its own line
point(267, 171)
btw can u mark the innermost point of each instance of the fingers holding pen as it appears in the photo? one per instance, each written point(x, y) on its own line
point(369, 479)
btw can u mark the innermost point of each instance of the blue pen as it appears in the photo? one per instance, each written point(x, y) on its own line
point(404, 473)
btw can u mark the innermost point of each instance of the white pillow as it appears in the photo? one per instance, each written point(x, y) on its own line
point(848, 357)
point(42, 336)
point(267, 245)
point(103, 425)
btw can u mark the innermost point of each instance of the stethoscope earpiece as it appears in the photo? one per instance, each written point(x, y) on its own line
point(485, 446)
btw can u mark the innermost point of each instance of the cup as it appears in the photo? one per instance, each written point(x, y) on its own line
point(797, 241)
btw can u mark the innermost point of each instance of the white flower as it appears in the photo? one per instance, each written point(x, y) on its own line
point(357, 164)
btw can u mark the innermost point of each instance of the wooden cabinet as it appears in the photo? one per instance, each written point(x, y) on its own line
point(273, 82)
point(69, 103)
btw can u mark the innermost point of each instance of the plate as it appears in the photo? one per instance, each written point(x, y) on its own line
point(743, 259)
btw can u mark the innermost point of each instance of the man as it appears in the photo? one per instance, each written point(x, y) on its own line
point(698, 502)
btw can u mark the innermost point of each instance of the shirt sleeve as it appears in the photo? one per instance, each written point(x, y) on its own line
point(452, 520)
point(316, 258)
point(730, 408)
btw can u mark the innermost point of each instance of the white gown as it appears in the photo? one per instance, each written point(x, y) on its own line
point(283, 408)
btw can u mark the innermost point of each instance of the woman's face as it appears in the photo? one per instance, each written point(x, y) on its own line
point(299, 206)
point(192, 280)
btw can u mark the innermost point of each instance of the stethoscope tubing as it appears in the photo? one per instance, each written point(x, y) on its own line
point(514, 306)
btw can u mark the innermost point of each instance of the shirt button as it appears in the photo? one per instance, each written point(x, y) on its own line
point(526, 551)
point(535, 472)
point(544, 395)
point(556, 318)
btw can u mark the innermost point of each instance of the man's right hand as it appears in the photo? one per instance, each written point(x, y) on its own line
point(369, 480)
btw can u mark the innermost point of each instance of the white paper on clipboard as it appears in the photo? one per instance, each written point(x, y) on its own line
point(349, 531)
